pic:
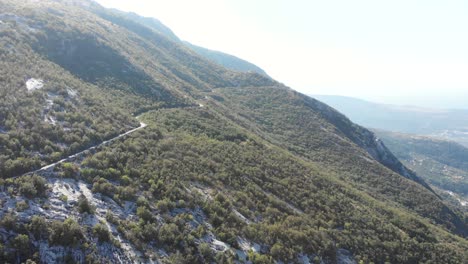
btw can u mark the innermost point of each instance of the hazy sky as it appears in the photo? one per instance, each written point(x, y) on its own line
point(400, 50)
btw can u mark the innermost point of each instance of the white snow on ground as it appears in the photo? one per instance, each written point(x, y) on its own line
point(34, 84)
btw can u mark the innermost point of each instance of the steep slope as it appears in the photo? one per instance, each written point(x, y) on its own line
point(442, 163)
point(45, 112)
point(231, 168)
point(150, 22)
point(317, 132)
point(226, 60)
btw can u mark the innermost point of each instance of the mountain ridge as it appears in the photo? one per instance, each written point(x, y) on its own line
point(226, 60)
point(233, 167)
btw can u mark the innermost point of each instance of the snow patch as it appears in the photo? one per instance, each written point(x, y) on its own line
point(34, 84)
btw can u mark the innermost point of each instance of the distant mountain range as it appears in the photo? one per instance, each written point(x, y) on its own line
point(449, 124)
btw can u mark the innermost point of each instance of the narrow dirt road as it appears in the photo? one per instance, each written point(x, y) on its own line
point(142, 125)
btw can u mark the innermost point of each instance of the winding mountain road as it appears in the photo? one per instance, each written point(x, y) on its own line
point(71, 157)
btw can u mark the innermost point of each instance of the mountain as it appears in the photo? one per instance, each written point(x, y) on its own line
point(226, 60)
point(442, 163)
point(187, 161)
point(150, 22)
point(448, 124)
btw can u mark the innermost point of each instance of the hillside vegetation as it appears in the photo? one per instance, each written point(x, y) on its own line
point(443, 164)
point(233, 167)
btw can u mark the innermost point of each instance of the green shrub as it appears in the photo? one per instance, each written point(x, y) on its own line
point(102, 233)
point(65, 233)
point(22, 206)
point(84, 206)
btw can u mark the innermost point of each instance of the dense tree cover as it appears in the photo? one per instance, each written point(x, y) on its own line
point(29, 186)
point(21, 247)
point(54, 122)
point(260, 164)
point(317, 132)
point(441, 163)
point(62, 118)
point(245, 175)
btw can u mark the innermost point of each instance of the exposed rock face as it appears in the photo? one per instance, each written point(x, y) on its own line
point(34, 84)
point(381, 153)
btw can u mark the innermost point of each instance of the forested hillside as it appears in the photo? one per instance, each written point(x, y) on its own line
point(232, 167)
point(226, 60)
point(443, 164)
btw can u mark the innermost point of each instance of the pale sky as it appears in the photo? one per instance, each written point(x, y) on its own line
point(399, 51)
